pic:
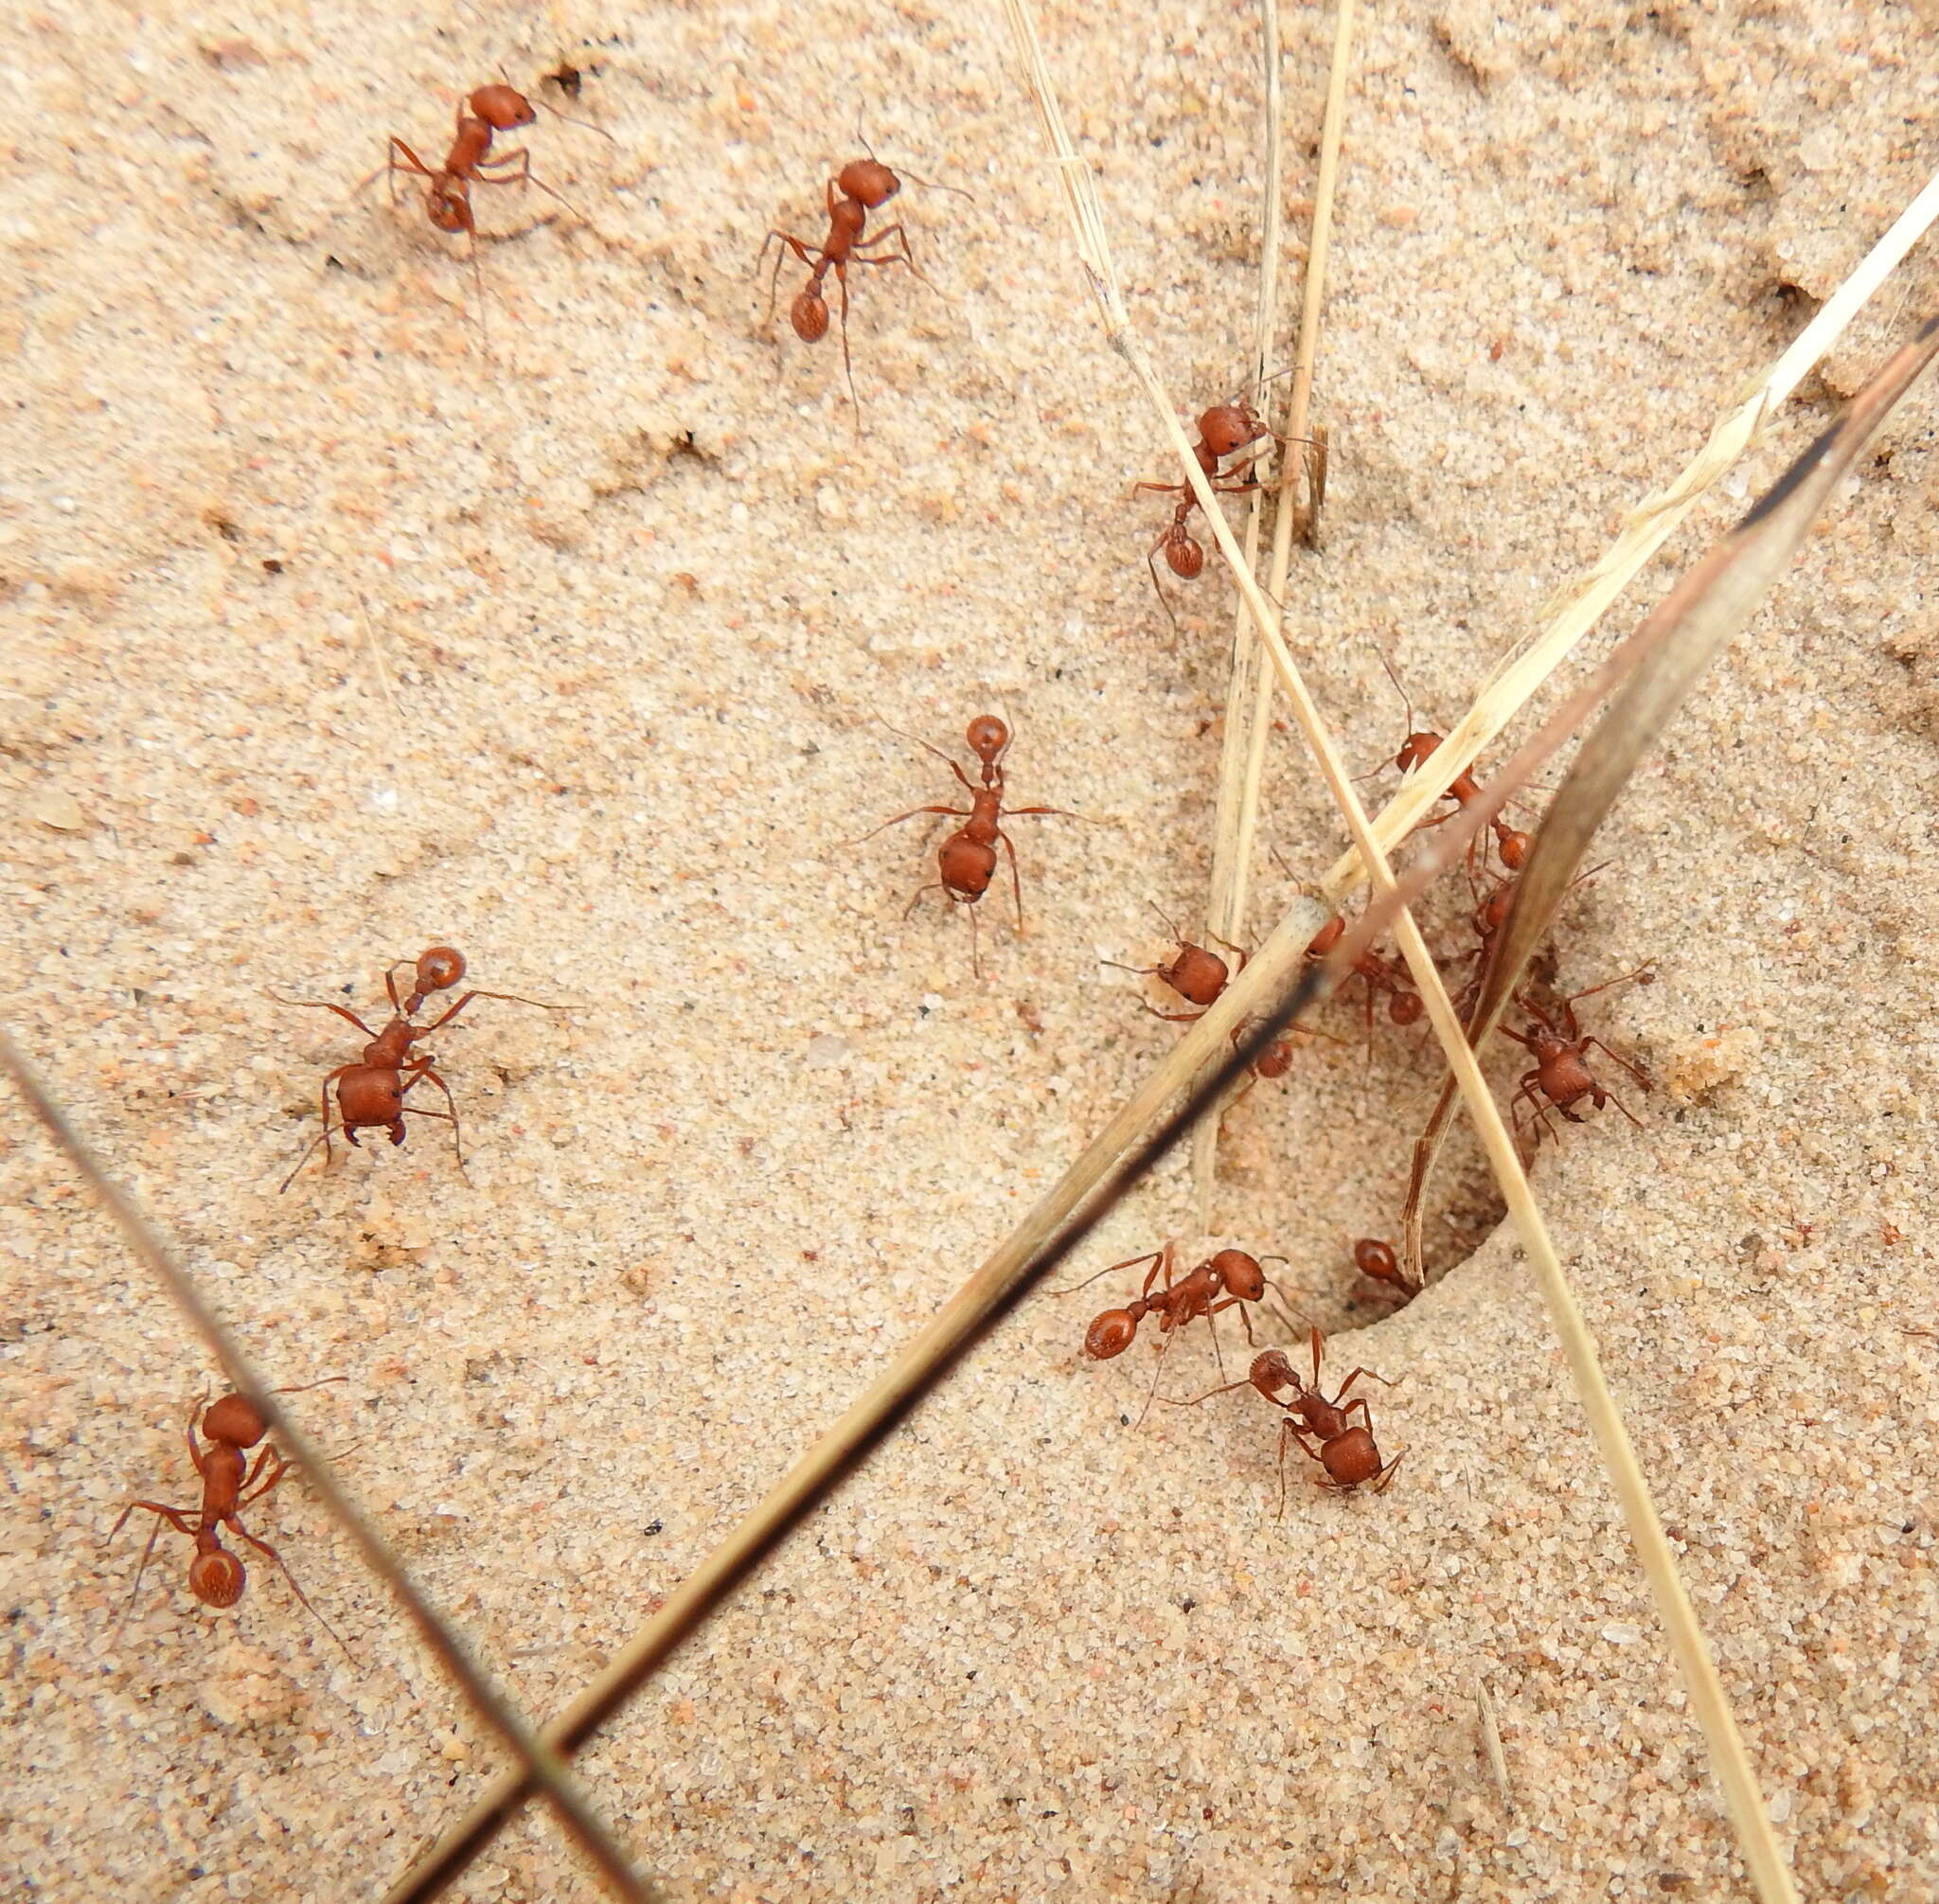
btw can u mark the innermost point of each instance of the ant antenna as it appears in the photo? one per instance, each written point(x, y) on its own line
point(930, 185)
point(585, 125)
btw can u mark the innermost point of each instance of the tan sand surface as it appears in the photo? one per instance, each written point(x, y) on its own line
point(331, 635)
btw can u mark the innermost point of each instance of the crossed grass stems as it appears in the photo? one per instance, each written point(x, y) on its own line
point(1140, 1135)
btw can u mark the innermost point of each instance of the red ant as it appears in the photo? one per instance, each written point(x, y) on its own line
point(865, 186)
point(1512, 845)
point(1224, 431)
point(1379, 974)
point(1199, 976)
point(1345, 1450)
point(1561, 1073)
point(371, 1089)
point(229, 1484)
point(488, 110)
point(1377, 1259)
point(967, 860)
point(1229, 1279)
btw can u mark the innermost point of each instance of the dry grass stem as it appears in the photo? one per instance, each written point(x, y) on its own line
point(544, 1766)
point(1732, 1766)
point(1575, 609)
point(1035, 1248)
point(1249, 689)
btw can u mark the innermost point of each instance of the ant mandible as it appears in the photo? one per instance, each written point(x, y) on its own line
point(371, 1089)
point(1346, 1448)
point(216, 1577)
point(1560, 1050)
point(966, 859)
point(864, 186)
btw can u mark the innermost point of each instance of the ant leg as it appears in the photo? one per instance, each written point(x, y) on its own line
point(511, 997)
point(959, 813)
point(904, 257)
point(1170, 1336)
point(412, 164)
point(343, 1011)
point(1339, 1394)
point(1156, 587)
point(916, 740)
point(1609, 984)
point(457, 1141)
point(306, 1157)
point(241, 1533)
point(245, 1495)
point(525, 175)
point(1624, 1108)
point(1244, 1315)
point(1173, 1401)
point(1635, 1071)
point(170, 1514)
point(847, 361)
point(1172, 1017)
point(1016, 879)
point(176, 1517)
point(1073, 1288)
point(788, 241)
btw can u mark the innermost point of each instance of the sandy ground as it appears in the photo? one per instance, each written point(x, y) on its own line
point(635, 599)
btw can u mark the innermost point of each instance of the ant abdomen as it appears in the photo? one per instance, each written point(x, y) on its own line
point(217, 1579)
point(967, 867)
point(1184, 558)
point(1110, 1334)
point(809, 316)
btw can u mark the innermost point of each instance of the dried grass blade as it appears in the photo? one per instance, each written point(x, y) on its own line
point(1682, 636)
point(1249, 689)
point(561, 1786)
point(1577, 608)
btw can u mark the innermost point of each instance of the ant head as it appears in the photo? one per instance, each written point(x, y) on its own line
point(502, 108)
point(1227, 427)
point(869, 181)
point(1197, 975)
point(1327, 937)
point(1270, 1372)
point(809, 314)
point(440, 968)
point(1372, 1257)
point(1415, 751)
point(216, 1577)
point(1110, 1334)
point(236, 1419)
point(988, 737)
point(1183, 556)
point(1240, 1274)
